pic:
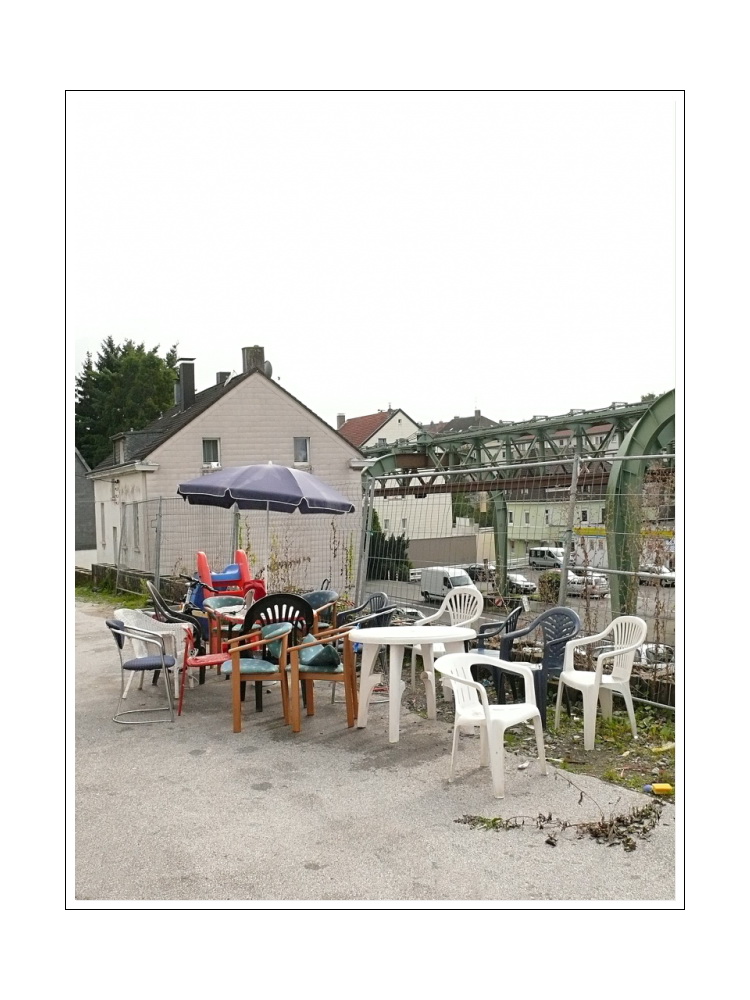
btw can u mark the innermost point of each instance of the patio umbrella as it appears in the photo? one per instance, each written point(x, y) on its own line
point(266, 487)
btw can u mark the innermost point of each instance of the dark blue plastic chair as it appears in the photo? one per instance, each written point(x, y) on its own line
point(557, 627)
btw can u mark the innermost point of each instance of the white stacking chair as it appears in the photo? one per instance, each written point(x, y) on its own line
point(463, 606)
point(173, 633)
point(622, 637)
point(472, 709)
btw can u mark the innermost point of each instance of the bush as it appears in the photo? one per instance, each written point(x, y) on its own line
point(549, 586)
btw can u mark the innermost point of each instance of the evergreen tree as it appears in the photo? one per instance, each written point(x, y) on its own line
point(126, 389)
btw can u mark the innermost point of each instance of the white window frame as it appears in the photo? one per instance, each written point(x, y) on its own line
point(103, 525)
point(303, 441)
point(510, 517)
point(211, 441)
point(136, 528)
point(526, 518)
point(546, 515)
point(585, 515)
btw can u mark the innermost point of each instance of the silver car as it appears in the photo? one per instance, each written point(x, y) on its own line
point(593, 584)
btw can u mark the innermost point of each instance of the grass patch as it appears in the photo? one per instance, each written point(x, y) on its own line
point(110, 597)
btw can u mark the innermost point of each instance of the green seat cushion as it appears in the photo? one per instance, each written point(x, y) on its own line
point(319, 657)
point(251, 666)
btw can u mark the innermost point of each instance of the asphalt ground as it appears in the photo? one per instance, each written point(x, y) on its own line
point(191, 812)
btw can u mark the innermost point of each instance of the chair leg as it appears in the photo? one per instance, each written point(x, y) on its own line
point(484, 747)
point(259, 696)
point(539, 733)
point(413, 668)
point(284, 682)
point(628, 698)
point(605, 700)
point(589, 717)
point(456, 733)
point(294, 695)
point(237, 698)
point(499, 682)
point(558, 704)
point(310, 697)
point(496, 740)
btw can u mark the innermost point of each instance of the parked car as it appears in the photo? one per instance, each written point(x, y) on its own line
point(653, 653)
point(658, 575)
point(480, 573)
point(593, 584)
point(518, 584)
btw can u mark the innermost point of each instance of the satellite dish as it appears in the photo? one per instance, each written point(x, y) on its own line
point(267, 369)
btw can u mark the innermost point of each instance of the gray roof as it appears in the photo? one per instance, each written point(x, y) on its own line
point(146, 440)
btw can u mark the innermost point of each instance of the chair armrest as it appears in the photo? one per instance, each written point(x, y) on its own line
point(323, 638)
point(479, 688)
point(523, 670)
point(254, 644)
point(560, 641)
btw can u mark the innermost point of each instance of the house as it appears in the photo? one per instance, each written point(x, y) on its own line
point(376, 430)
point(142, 524)
point(85, 517)
point(458, 425)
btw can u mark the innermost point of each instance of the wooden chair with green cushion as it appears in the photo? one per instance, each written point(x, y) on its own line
point(246, 665)
point(316, 658)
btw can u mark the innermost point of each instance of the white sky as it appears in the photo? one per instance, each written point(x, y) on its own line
point(438, 251)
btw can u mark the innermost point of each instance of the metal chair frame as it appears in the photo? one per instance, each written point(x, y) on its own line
point(121, 632)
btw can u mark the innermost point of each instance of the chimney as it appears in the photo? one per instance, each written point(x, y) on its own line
point(340, 421)
point(184, 390)
point(221, 377)
point(252, 357)
point(477, 414)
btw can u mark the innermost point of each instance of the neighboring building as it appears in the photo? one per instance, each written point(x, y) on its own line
point(460, 424)
point(241, 420)
point(85, 514)
point(377, 429)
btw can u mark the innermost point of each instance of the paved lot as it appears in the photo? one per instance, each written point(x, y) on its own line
point(194, 812)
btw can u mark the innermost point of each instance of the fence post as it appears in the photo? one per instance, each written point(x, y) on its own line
point(364, 545)
point(157, 557)
point(235, 539)
point(569, 529)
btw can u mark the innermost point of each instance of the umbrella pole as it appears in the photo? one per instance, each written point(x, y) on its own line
point(268, 547)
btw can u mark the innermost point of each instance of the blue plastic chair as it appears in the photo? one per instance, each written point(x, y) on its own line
point(557, 626)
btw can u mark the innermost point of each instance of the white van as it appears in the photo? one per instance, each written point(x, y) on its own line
point(438, 580)
point(544, 558)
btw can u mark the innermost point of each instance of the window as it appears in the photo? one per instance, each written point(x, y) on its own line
point(584, 517)
point(115, 554)
point(526, 517)
point(302, 451)
point(603, 519)
point(136, 528)
point(386, 524)
point(510, 517)
point(102, 526)
point(546, 515)
point(381, 441)
point(404, 524)
point(210, 451)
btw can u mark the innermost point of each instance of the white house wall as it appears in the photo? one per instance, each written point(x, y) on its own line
point(398, 426)
point(255, 423)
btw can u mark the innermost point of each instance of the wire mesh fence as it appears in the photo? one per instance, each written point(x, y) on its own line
point(540, 534)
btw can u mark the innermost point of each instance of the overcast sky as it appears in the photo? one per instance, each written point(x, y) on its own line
point(439, 252)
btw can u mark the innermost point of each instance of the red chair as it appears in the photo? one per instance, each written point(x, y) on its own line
point(234, 579)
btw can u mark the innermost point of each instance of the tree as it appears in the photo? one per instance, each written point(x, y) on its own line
point(126, 389)
point(388, 557)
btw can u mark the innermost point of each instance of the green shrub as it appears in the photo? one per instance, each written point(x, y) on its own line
point(549, 586)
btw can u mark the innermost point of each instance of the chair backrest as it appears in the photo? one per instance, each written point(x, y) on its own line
point(165, 614)
point(464, 696)
point(276, 608)
point(217, 603)
point(133, 618)
point(116, 627)
point(512, 620)
point(627, 630)
point(464, 605)
point(555, 623)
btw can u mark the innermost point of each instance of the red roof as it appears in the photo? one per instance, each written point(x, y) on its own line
point(361, 429)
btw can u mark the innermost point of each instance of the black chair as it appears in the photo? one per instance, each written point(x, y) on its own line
point(375, 612)
point(159, 663)
point(557, 627)
point(489, 631)
point(274, 609)
point(164, 613)
point(323, 603)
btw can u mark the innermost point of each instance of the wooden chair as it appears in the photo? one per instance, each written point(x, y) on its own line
point(316, 658)
point(252, 668)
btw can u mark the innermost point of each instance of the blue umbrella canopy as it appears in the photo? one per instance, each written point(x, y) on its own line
point(266, 487)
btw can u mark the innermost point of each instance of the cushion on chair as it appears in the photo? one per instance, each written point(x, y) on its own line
point(148, 663)
point(273, 649)
point(319, 657)
point(251, 666)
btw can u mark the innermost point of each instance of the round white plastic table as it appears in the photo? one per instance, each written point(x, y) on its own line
point(397, 638)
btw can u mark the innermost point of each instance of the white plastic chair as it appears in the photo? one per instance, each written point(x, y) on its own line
point(623, 636)
point(463, 605)
point(473, 709)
